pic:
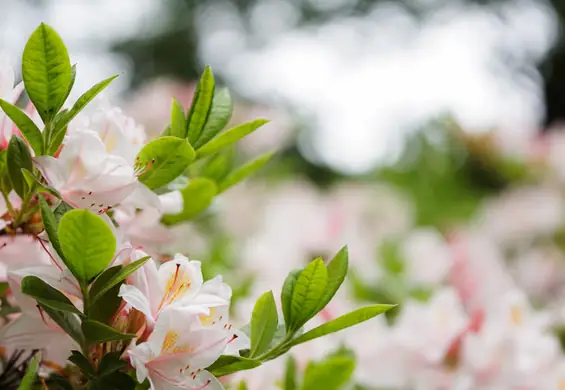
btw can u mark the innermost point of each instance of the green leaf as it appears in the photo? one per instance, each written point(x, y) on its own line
point(197, 196)
point(229, 137)
point(47, 295)
point(218, 118)
point(79, 105)
point(264, 321)
point(113, 276)
point(61, 209)
point(67, 321)
point(290, 374)
point(166, 132)
point(28, 380)
point(51, 226)
point(218, 166)
point(97, 332)
point(4, 286)
point(27, 127)
point(32, 181)
point(164, 159)
point(331, 374)
point(79, 360)
point(244, 171)
point(228, 364)
point(201, 105)
point(46, 70)
point(116, 380)
point(18, 158)
point(308, 293)
point(88, 244)
point(71, 83)
point(178, 121)
point(110, 363)
point(345, 321)
point(286, 296)
point(109, 302)
point(337, 269)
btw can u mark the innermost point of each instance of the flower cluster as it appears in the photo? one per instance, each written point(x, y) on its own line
point(94, 292)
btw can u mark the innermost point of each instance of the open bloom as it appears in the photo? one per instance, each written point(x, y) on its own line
point(176, 283)
point(119, 133)
point(34, 329)
point(177, 352)
point(88, 177)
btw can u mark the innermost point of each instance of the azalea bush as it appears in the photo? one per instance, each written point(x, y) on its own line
point(94, 295)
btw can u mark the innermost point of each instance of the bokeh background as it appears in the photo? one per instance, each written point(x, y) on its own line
point(425, 134)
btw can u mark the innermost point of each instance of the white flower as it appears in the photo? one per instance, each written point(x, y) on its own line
point(119, 133)
point(177, 352)
point(88, 177)
point(34, 329)
point(175, 283)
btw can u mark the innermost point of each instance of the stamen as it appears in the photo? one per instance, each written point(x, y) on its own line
point(233, 338)
point(143, 168)
point(49, 253)
point(42, 315)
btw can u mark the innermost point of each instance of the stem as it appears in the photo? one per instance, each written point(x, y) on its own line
point(277, 350)
point(25, 203)
point(85, 300)
point(9, 204)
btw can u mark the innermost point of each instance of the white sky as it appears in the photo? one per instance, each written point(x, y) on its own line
point(364, 82)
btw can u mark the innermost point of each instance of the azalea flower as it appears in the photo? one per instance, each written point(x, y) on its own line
point(119, 133)
point(88, 177)
point(177, 283)
point(34, 329)
point(177, 352)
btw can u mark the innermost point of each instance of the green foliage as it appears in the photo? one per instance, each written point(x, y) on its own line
point(60, 126)
point(264, 322)
point(104, 300)
point(287, 293)
point(17, 159)
point(114, 276)
point(201, 105)
point(332, 373)
point(304, 294)
point(309, 290)
point(88, 244)
point(228, 364)
point(27, 127)
point(197, 196)
point(290, 380)
point(164, 159)
point(96, 332)
point(28, 380)
point(337, 270)
point(244, 171)
point(47, 295)
point(51, 225)
point(343, 322)
point(178, 126)
point(220, 114)
point(67, 321)
point(229, 137)
point(46, 70)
